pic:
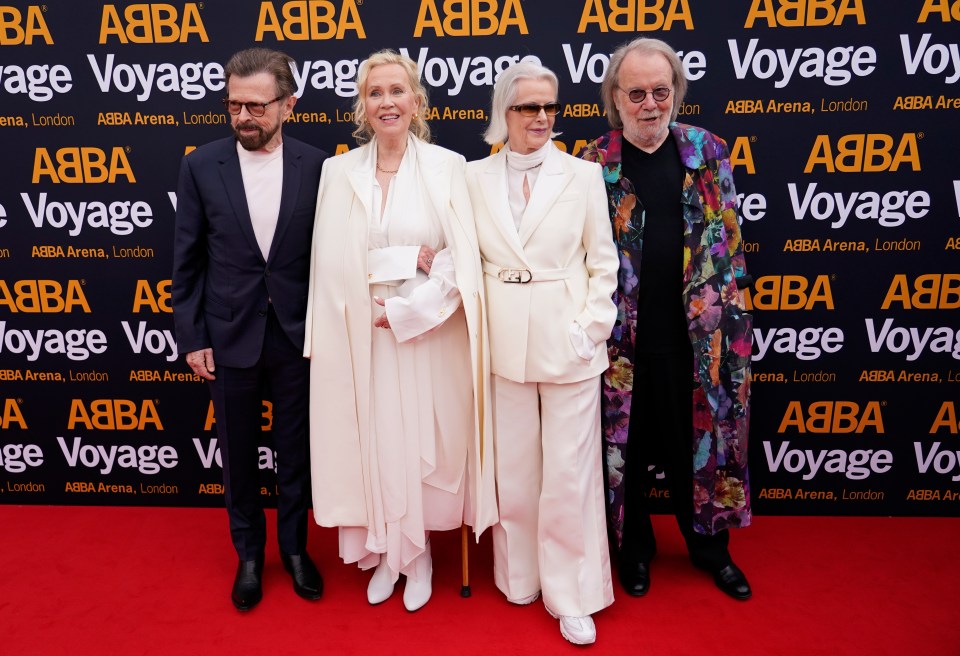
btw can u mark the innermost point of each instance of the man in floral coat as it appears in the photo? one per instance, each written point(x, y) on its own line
point(677, 392)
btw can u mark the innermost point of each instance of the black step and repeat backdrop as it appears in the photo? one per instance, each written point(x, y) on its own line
point(842, 117)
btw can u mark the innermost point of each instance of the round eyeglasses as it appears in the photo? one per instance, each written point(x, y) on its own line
point(638, 95)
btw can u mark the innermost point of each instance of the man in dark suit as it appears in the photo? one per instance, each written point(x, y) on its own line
point(245, 208)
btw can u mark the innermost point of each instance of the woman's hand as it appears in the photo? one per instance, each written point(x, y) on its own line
point(425, 259)
point(381, 321)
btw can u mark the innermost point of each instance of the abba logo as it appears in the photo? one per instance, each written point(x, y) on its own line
point(312, 20)
point(863, 153)
point(152, 23)
point(832, 417)
point(634, 15)
point(930, 291)
point(935, 59)
point(211, 454)
point(836, 66)
point(470, 18)
point(114, 414)
point(804, 13)
point(147, 458)
point(913, 341)
point(43, 296)
point(789, 293)
point(85, 164)
point(17, 29)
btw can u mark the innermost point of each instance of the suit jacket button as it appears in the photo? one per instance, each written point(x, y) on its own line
point(261, 313)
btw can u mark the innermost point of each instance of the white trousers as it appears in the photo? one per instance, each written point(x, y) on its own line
point(552, 533)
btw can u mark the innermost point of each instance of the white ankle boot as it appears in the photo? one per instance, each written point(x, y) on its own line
point(381, 583)
point(419, 586)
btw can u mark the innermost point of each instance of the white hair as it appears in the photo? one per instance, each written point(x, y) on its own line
point(505, 94)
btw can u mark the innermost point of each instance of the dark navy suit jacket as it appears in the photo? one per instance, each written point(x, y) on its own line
point(221, 282)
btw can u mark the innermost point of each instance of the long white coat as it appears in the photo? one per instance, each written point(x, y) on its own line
point(338, 336)
point(565, 226)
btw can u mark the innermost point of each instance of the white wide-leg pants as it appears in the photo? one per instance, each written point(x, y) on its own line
point(552, 532)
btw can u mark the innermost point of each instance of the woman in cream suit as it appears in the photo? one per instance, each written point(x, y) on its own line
point(550, 268)
point(396, 340)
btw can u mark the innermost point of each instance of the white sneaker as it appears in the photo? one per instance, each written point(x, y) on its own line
point(578, 630)
point(381, 583)
point(419, 587)
point(524, 601)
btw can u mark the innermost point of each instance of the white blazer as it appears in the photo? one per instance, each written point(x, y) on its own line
point(565, 248)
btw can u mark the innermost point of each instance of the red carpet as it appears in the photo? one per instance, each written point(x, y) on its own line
point(156, 581)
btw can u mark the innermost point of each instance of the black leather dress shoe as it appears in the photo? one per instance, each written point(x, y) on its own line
point(307, 581)
point(635, 578)
point(731, 580)
point(247, 591)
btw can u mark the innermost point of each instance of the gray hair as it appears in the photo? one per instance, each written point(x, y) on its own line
point(505, 94)
point(642, 45)
point(418, 126)
point(263, 60)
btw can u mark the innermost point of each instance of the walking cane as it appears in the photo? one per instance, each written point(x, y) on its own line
point(481, 408)
point(465, 561)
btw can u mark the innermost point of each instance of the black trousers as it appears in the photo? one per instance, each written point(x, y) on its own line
point(282, 374)
point(661, 434)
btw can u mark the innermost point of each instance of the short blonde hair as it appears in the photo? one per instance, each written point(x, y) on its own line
point(418, 126)
point(505, 94)
point(644, 46)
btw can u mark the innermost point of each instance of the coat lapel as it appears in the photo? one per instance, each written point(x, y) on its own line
point(494, 181)
point(553, 178)
point(289, 195)
point(438, 169)
point(233, 183)
point(360, 176)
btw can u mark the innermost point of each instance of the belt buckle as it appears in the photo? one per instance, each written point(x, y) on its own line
point(518, 276)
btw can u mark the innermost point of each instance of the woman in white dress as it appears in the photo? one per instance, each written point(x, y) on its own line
point(396, 341)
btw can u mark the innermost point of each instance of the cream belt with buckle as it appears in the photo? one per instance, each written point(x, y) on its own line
point(522, 275)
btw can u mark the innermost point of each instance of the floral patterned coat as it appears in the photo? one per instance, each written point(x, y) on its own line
point(720, 329)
